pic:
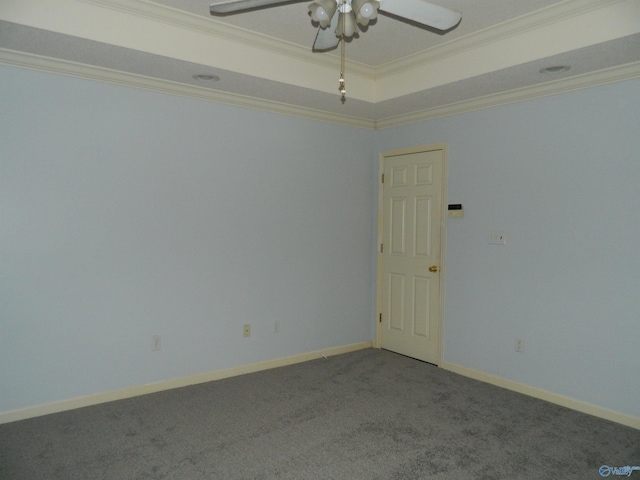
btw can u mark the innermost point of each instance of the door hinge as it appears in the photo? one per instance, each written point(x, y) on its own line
point(380, 318)
point(383, 178)
point(382, 248)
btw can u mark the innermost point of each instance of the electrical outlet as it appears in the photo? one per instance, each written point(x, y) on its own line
point(156, 342)
point(497, 238)
point(519, 345)
point(246, 330)
point(276, 326)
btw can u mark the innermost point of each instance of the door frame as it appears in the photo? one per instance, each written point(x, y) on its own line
point(443, 224)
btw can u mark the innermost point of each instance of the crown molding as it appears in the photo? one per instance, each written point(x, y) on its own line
point(115, 77)
point(579, 82)
point(496, 33)
point(215, 28)
point(602, 77)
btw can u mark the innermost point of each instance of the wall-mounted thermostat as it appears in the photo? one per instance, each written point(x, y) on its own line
point(455, 210)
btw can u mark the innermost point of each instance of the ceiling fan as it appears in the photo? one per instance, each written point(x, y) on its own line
point(340, 19)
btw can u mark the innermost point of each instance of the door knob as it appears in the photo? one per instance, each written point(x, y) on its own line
point(433, 268)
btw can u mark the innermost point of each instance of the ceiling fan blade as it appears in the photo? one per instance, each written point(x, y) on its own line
point(423, 12)
point(239, 5)
point(326, 38)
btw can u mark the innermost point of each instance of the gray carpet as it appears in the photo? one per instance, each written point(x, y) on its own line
point(369, 414)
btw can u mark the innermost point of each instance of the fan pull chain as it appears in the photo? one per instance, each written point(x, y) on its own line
point(342, 87)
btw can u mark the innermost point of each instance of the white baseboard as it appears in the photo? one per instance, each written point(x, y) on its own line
point(61, 406)
point(580, 406)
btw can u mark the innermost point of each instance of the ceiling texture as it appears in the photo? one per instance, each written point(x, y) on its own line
point(396, 72)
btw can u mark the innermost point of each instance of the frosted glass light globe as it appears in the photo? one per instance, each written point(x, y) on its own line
point(321, 14)
point(367, 10)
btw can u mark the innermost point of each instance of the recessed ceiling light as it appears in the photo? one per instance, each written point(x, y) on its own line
point(555, 69)
point(205, 77)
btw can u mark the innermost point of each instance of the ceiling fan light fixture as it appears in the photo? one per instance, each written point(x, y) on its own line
point(322, 11)
point(366, 10)
point(346, 25)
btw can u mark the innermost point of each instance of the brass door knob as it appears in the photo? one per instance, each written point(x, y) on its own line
point(434, 268)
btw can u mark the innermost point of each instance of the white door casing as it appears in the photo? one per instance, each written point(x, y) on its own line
point(411, 229)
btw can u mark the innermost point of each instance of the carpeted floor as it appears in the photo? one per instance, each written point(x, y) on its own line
point(369, 414)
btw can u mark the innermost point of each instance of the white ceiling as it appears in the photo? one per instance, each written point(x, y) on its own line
point(396, 72)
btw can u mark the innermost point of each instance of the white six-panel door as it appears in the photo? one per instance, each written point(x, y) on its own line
point(410, 261)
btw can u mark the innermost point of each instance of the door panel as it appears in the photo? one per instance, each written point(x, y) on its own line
point(398, 224)
point(396, 302)
point(421, 301)
point(411, 227)
point(422, 221)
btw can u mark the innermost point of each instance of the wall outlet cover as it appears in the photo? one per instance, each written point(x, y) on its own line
point(497, 238)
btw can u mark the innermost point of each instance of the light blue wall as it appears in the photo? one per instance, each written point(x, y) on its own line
point(127, 214)
point(561, 177)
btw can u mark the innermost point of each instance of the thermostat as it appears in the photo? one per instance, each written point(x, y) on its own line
point(455, 210)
